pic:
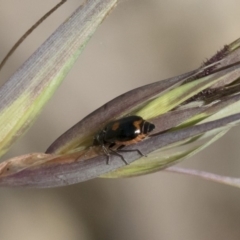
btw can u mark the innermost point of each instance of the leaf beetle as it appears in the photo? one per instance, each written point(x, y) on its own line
point(122, 132)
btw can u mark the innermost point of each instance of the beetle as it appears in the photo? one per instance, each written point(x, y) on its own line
point(122, 132)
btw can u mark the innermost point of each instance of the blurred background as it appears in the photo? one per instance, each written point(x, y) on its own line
point(142, 41)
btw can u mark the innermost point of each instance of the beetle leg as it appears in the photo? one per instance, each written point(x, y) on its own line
point(106, 151)
point(132, 150)
point(118, 154)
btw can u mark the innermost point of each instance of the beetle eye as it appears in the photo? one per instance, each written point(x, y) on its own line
point(148, 127)
point(151, 127)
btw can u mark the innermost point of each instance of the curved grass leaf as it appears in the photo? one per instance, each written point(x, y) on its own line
point(87, 164)
point(27, 91)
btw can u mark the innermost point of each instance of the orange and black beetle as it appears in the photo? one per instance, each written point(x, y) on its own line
point(122, 132)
